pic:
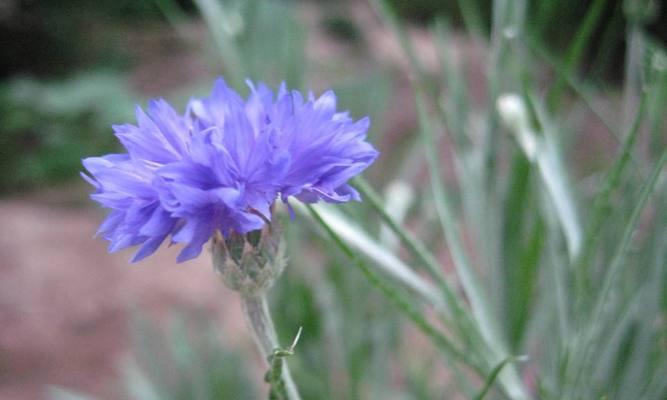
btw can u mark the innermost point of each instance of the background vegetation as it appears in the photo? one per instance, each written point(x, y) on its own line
point(512, 242)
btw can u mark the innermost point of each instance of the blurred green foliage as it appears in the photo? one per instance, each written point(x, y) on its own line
point(55, 38)
point(45, 39)
point(547, 20)
point(426, 10)
point(185, 360)
point(530, 256)
point(249, 44)
point(48, 127)
point(342, 28)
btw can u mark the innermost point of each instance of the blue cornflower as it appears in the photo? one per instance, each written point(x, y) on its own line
point(220, 167)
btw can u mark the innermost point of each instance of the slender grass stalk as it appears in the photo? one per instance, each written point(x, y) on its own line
point(576, 50)
point(460, 320)
point(658, 98)
point(389, 18)
point(622, 248)
point(632, 82)
point(584, 343)
point(446, 217)
point(439, 339)
point(540, 148)
point(172, 13)
point(455, 116)
point(613, 33)
point(389, 264)
point(223, 27)
point(545, 11)
point(482, 313)
point(480, 309)
point(574, 84)
point(471, 17)
point(398, 197)
point(559, 276)
point(426, 259)
point(602, 203)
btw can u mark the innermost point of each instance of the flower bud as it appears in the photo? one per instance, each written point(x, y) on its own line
point(249, 263)
point(514, 113)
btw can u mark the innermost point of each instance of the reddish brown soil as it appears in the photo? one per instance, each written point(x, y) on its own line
point(65, 302)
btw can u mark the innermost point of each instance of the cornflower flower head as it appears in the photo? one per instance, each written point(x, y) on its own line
point(128, 184)
point(219, 167)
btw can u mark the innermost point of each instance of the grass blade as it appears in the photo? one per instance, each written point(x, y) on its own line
point(416, 247)
point(480, 307)
point(491, 379)
point(522, 247)
point(584, 343)
point(624, 244)
point(602, 202)
point(441, 341)
point(542, 151)
point(389, 264)
point(457, 111)
point(576, 50)
point(426, 259)
point(224, 25)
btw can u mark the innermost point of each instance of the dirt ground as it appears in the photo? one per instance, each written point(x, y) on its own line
point(65, 302)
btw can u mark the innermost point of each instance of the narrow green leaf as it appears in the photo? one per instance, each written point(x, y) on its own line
point(392, 21)
point(540, 147)
point(574, 83)
point(586, 341)
point(523, 239)
point(446, 217)
point(172, 12)
point(491, 379)
point(657, 93)
point(576, 50)
point(457, 101)
point(474, 291)
point(602, 203)
point(623, 246)
point(416, 247)
point(388, 263)
point(471, 17)
point(224, 26)
point(416, 316)
point(454, 305)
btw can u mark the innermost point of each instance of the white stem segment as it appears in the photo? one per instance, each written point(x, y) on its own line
point(256, 311)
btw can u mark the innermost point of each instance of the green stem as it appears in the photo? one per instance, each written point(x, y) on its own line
point(256, 311)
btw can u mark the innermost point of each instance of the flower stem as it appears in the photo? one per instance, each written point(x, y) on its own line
point(256, 310)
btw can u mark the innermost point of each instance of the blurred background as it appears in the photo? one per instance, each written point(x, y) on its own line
point(77, 322)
